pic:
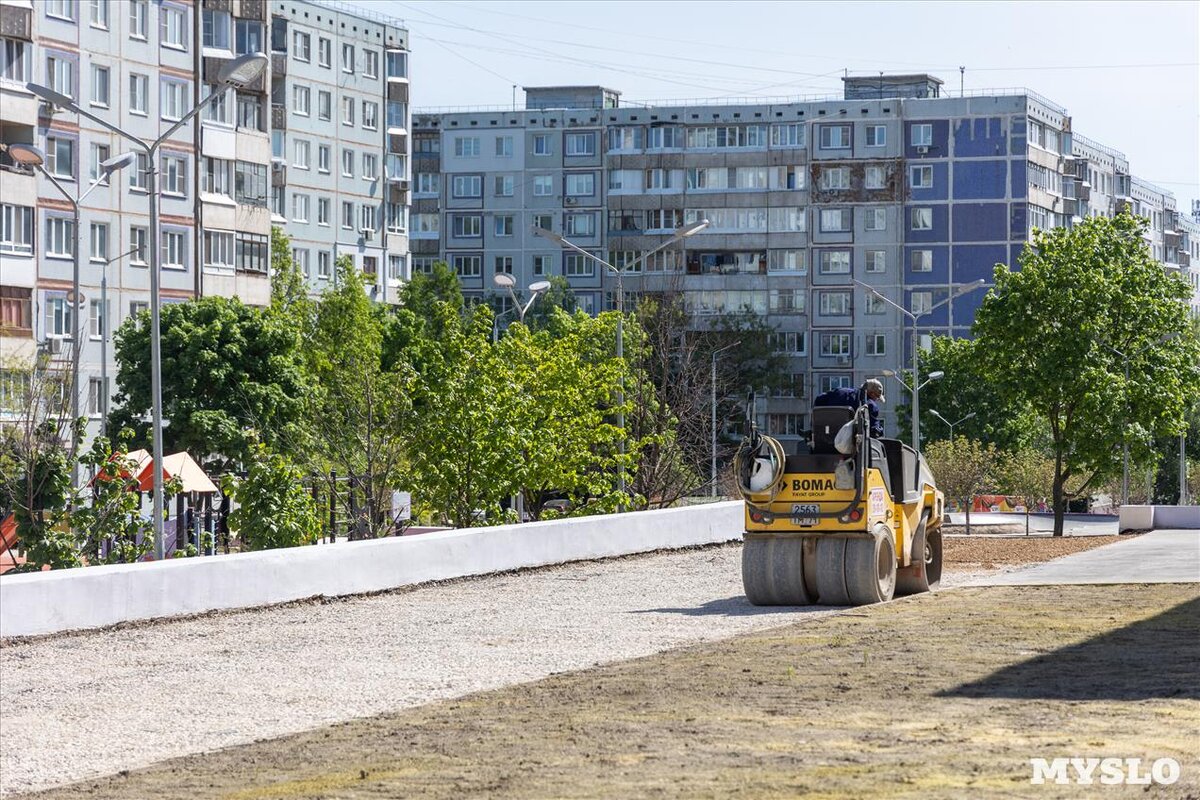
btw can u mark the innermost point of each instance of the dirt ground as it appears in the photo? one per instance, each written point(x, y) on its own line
point(940, 696)
point(989, 552)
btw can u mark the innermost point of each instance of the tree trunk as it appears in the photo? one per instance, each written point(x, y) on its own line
point(967, 511)
point(1059, 500)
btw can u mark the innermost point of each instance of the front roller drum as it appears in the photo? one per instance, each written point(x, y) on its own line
point(857, 571)
point(773, 571)
point(926, 570)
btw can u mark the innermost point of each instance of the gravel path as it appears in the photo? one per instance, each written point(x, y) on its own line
point(97, 703)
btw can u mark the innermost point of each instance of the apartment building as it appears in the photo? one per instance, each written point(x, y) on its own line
point(223, 183)
point(893, 185)
point(339, 114)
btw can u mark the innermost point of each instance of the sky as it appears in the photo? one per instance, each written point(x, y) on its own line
point(1128, 73)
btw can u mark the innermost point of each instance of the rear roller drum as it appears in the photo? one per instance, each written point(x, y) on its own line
point(773, 571)
point(831, 572)
point(926, 569)
point(871, 568)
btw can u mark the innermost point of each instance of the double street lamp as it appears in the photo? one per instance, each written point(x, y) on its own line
point(28, 155)
point(958, 291)
point(678, 235)
point(950, 424)
point(506, 281)
point(235, 74)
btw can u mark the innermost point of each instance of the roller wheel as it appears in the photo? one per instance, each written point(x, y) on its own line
point(871, 568)
point(926, 569)
point(773, 571)
point(831, 572)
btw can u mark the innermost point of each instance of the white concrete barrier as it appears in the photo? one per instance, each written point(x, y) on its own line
point(1170, 517)
point(94, 597)
point(1135, 518)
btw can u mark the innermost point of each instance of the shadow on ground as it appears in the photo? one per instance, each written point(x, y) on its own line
point(1126, 664)
point(737, 606)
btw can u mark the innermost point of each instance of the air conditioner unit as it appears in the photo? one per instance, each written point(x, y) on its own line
point(367, 233)
point(54, 345)
point(843, 361)
point(570, 201)
point(923, 149)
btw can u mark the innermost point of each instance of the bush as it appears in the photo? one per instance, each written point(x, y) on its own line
point(274, 509)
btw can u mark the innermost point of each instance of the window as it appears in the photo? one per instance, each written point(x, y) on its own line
point(787, 261)
point(835, 304)
point(787, 219)
point(219, 249)
point(466, 226)
point(876, 261)
point(60, 157)
point(138, 237)
point(835, 262)
point(921, 135)
point(876, 219)
point(371, 63)
point(625, 138)
point(60, 74)
point(370, 166)
point(140, 173)
point(249, 111)
point(301, 152)
point(396, 268)
point(541, 144)
point(875, 305)
point(14, 60)
point(323, 158)
point(323, 211)
point(834, 220)
point(59, 320)
point(544, 221)
point(137, 307)
point(324, 52)
point(370, 115)
point(835, 137)
point(99, 242)
point(347, 110)
point(663, 137)
point(252, 253)
point(323, 264)
point(791, 342)
point(347, 215)
point(504, 146)
point(426, 223)
point(658, 179)
point(876, 136)
point(324, 106)
point(921, 302)
point(922, 260)
point(428, 183)
point(174, 175)
point(581, 184)
point(348, 163)
point(580, 224)
point(174, 27)
point(581, 144)
point(468, 266)
point(16, 309)
point(835, 178)
point(302, 46)
point(174, 249)
point(542, 265)
point(16, 229)
point(874, 177)
point(876, 344)
point(300, 259)
point(61, 9)
point(174, 99)
point(750, 178)
point(99, 85)
point(922, 219)
point(348, 58)
point(301, 100)
point(543, 185)
point(218, 109)
point(397, 64)
point(247, 37)
point(786, 301)
point(278, 201)
point(215, 27)
point(504, 225)
point(250, 183)
point(96, 321)
point(788, 135)
point(299, 207)
point(922, 177)
point(137, 19)
point(100, 153)
point(787, 177)
point(577, 265)
point(835, 344)
point(466, 146)
point(467, 186)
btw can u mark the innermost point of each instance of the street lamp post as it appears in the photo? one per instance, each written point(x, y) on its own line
point(716, 353)
point(506, 281)
point(679, 235)
point(959, 291)
point(31, 156)
point(950, 424)
point(236, 74)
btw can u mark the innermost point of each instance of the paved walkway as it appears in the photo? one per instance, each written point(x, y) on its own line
point(1167, 556)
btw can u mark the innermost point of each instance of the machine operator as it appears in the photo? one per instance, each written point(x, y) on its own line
point(869, 394)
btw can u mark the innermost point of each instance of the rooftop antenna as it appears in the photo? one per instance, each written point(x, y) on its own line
point(514, 97)
point(962, 71)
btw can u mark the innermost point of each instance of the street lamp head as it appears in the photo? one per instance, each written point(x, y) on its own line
point(545, 234)
point(242, 71)
point(503, 279)
point(26, 155)
point(967, 417)
point(539, 286)
point(693, 228)
point(111, 165)
point(939, 416)
point(888, 373)
point(50, 96)
point(936, 376)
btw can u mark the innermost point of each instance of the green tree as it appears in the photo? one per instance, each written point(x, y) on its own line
point(425, 291)
point(231, 375)
point(962, 469)
point(1027, 473)
point(110, 527)
point(1049, 334)
point(274, 509)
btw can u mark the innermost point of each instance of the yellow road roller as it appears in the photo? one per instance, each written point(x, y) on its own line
point(852, 520)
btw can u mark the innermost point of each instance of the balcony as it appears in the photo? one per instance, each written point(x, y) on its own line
point(16, 22)
point(279, 64)
point(278, 117)
point(278, 173)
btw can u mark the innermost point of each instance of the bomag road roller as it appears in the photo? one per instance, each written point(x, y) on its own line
point(851, 521)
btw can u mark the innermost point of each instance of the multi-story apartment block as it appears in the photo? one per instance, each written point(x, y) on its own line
point(892, 185)
point(223, 179)
point(339, 108)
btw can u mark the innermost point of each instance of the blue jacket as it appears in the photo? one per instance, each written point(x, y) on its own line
point(853, 398)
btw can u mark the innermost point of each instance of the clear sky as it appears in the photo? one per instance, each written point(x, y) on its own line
point(1127, 72)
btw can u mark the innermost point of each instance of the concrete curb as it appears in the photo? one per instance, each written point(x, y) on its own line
point(94, 597)
point(1145, 518)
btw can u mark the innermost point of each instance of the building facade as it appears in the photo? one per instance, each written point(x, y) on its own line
point(223, 179)
point(893, 186)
